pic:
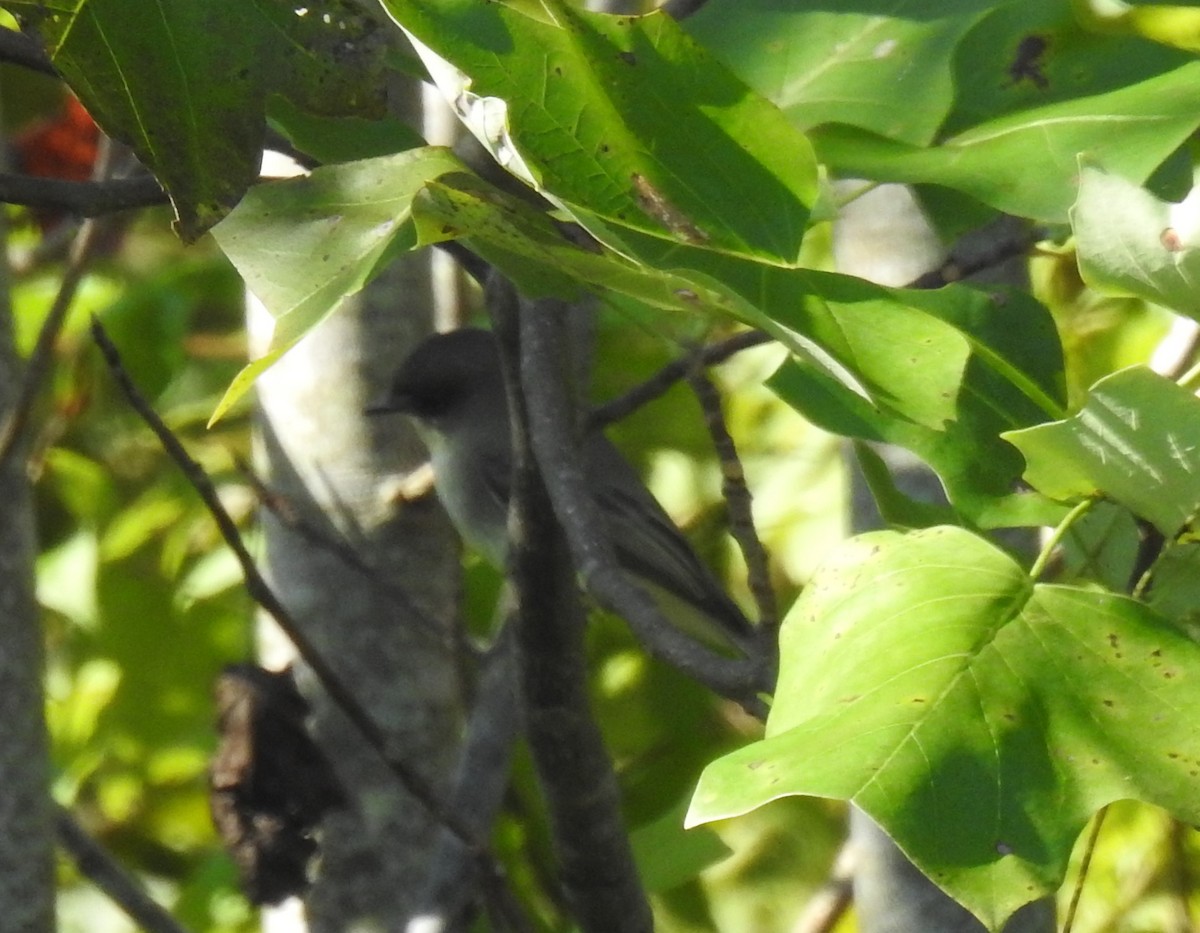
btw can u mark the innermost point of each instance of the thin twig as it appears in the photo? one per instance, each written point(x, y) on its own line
point(825, 908)
point(52, 246)
point(741, 507)
point(261, 593)
point(663, 380)
point(106, 873)
point(1084, 865)
point(38, 366)
point(1181, 880)
point(290, 518)
point(972, 262)
point(83, 246)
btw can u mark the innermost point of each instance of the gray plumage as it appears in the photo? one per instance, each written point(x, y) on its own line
point(452, 386)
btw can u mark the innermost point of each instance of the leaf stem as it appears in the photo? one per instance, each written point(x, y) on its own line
point(1043, 558)
point(1189, 378)
point(1088, 851)
point(866, 188)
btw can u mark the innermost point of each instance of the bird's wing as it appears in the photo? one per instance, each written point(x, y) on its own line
point(650, 547)
point(497, 477)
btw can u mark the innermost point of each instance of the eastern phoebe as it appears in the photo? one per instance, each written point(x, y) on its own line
point(451, 385)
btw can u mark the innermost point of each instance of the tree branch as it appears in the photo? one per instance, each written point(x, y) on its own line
point(97, 865)
point(973, 253)
point(480, 781)
point(83, 198)
point(574, 770)
point(18, 48)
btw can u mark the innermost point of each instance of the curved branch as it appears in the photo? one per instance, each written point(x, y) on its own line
point(551, 421)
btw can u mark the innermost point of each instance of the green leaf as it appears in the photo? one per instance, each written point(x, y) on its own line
point(1175, 585)
point(822, 64)
point(216, 572)
point(1008, 373)
point(66, 578)
point(145, 71)
point(624, 117)
point(1029, 53)
point(1026, 163)
point(980, 719)
point(1129, 242)
point(83, 485)
point(1101, 546)
point(140, 522)
point(340, 139)
point(667, 855)
point(1133, 442)
point(305, 243)
point(72, 717)
point(896, 509)
point(538, 255)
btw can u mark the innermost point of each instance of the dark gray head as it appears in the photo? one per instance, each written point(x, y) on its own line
point(446, 374)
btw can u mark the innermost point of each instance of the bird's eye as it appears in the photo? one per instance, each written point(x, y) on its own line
point(436, 397)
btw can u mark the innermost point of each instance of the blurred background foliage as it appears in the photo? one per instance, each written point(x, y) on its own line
point(143, 605)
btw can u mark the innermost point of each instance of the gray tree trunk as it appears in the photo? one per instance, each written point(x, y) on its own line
point(318, 450)
point(26, 820)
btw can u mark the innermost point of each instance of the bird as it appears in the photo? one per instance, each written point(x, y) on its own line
point(452, 387)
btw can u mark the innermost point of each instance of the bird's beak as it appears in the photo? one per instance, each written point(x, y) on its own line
point(382, 406)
